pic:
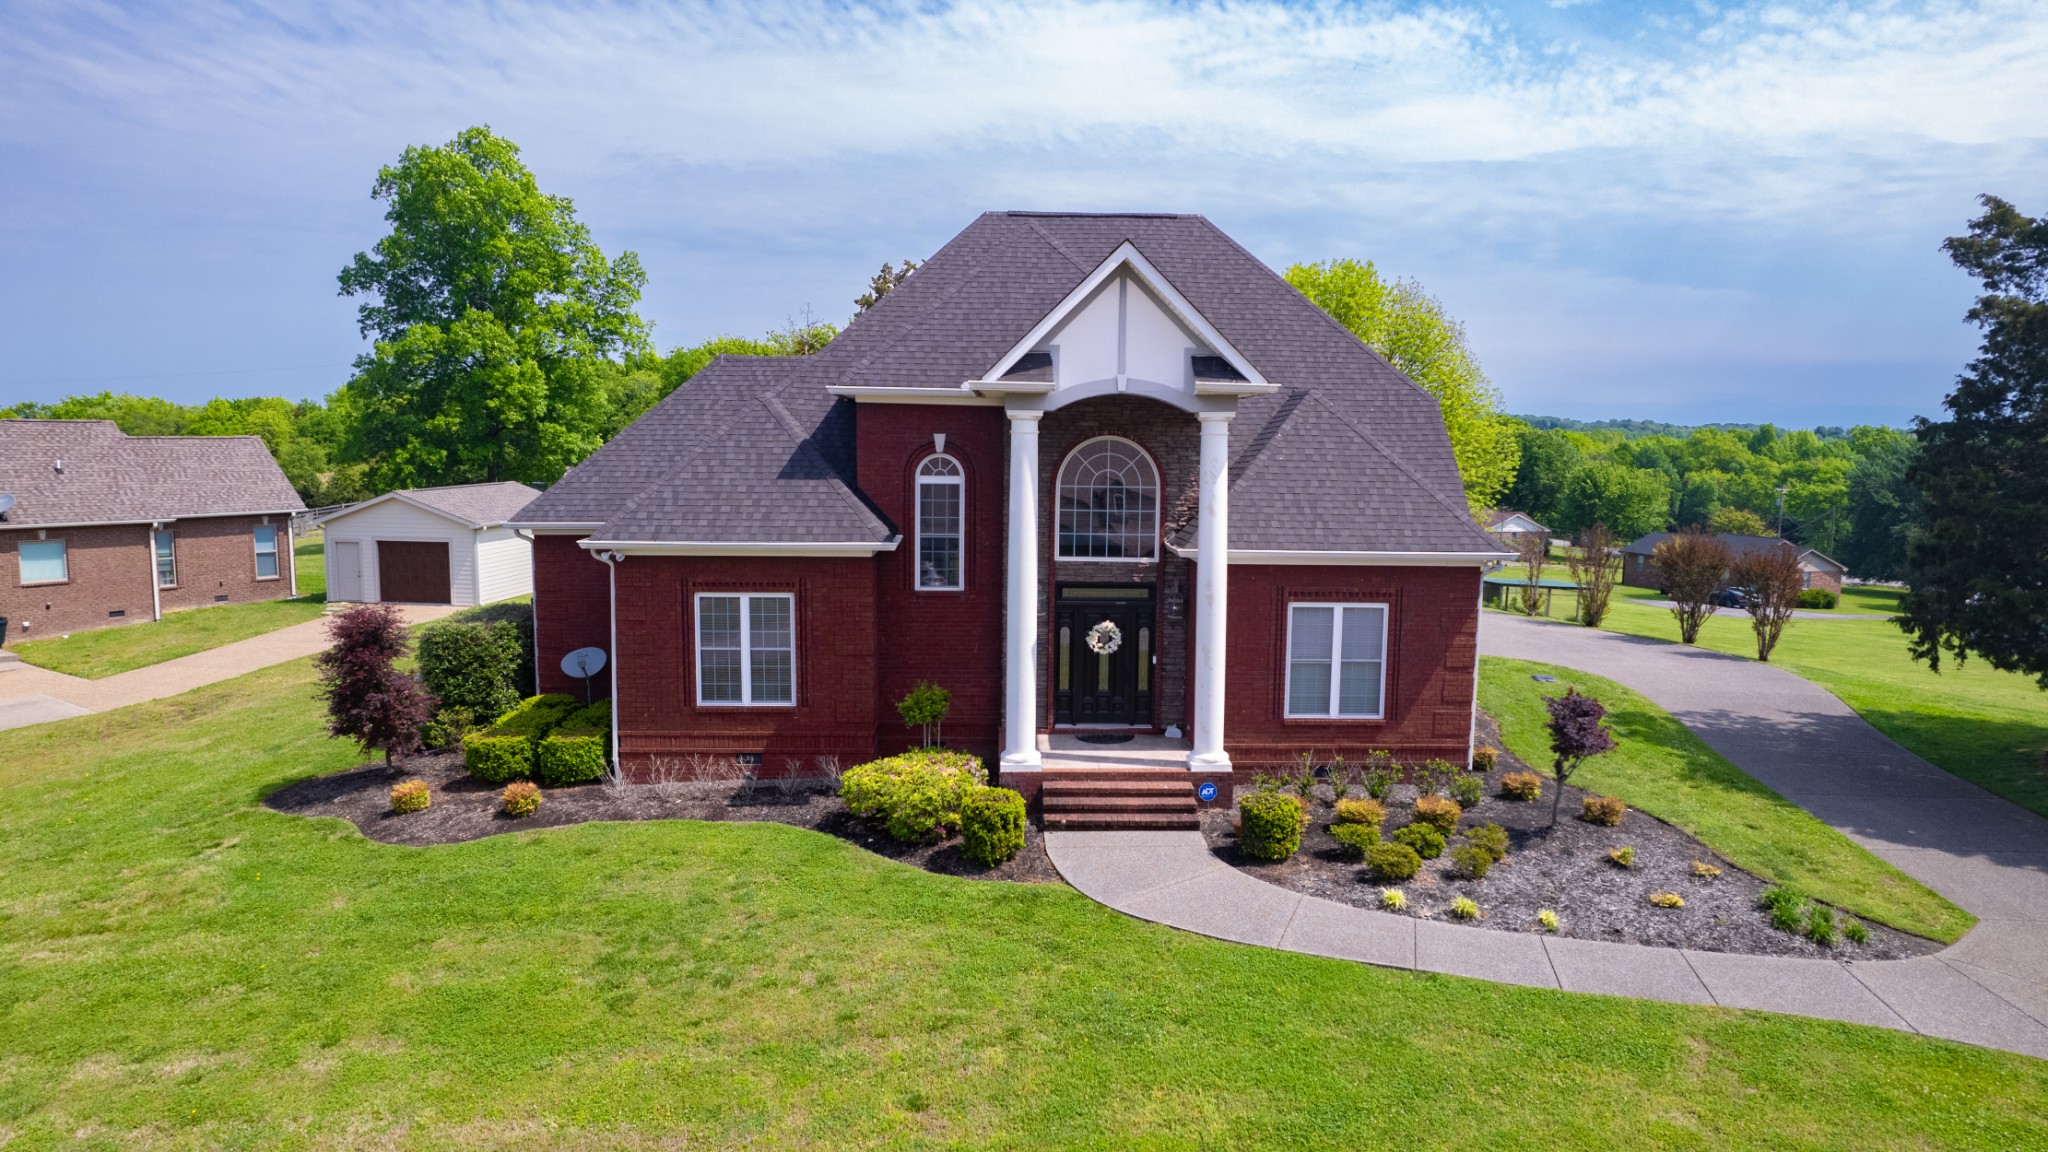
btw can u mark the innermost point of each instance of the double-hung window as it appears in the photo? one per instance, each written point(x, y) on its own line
point(1337, 660)
point(746, 648)
point(941, 508)
point(42, 562)
point(266, 551)
point(166, 558)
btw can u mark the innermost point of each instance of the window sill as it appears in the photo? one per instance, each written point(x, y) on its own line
point(46, 583)
point(267, 579)
point(1333, 719)
point(730, 707)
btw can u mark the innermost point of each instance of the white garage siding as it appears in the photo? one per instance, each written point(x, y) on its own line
point(504, 564)
point(398, 520)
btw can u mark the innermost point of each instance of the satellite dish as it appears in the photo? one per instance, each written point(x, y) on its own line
point(6, 505)
point(583, 662)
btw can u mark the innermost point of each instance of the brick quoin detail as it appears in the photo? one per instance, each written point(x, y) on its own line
point(111, 568)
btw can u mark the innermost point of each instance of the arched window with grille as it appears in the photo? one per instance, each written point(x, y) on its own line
point(1108, 499)
point(941, 518)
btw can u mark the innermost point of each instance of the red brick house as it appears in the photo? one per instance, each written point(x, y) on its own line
point(1092, 473)
point(106, 528)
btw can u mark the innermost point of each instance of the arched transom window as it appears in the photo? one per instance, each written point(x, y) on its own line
point(1108, 503)
point(941, 511)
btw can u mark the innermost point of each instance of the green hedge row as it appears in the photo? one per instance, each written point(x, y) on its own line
point(549, 738)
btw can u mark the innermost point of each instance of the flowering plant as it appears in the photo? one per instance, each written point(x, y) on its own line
point(1105, 638)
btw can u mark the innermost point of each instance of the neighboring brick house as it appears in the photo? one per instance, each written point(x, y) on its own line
point(1092, 473)
point(1639, 564)
point(106, 528)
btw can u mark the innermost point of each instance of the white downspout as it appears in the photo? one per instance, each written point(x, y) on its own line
point(532, 604)
point(291, 553)
point(1472, 721)
point(156, 589)
point(611, 560)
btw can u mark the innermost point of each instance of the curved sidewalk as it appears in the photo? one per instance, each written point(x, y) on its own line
point(1985, 854)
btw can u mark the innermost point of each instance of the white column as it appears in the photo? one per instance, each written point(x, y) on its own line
point(1212, 582)
point(1020, 651)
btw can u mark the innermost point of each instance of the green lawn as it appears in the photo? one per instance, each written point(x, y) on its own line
point(106, 651)
point(181, 968)
point(1659, 766)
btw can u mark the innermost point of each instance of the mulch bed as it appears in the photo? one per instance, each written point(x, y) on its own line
point(1566, 870)
point(467, 809)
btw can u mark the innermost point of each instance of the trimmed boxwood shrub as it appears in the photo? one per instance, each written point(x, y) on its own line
point(1492, 837)
point(1471, 861)
point(1427, 842)
point(1393, 861)
point(575, 752)
point(1361, 812)
point(1269, 826)
point(497, 759)
point(1817, 598)
point(1356, 839)
point(916, 795)
point(991, 825)
point(535, 716)
point(472, 664)
point(1468, 791)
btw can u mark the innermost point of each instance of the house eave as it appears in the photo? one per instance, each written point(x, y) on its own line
point(788, 548)
point(1367, 559)
point(17, 525)
point(865, 395)
point(555, 527)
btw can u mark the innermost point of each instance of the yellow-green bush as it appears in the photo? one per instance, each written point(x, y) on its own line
point(1361, 812)
point(410, 796)
point(1439, 812)
point(496, 755)
point(991, 825)
point(576, 751)
point(1393, 861)
point(916, 795)
point(1356, 839)
point(1269, 826)
point(1521, 786)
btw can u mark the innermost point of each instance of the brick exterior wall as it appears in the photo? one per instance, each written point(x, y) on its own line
point(954, 639)
point(835, 711)
point(1432, 652)
point(572, 602)
point(111, 569)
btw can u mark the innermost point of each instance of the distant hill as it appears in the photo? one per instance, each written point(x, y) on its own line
point(1637, 429)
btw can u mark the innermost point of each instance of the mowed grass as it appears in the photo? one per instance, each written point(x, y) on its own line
point(181, 969)
point(1660, 767)
point(107, 651)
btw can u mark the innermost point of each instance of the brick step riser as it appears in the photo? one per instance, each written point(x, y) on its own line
point(1117, 804)
point(1114, 788)
point(1121, 823)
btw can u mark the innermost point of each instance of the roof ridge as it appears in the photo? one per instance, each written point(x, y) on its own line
point(1463, 510)
point(1084, 269)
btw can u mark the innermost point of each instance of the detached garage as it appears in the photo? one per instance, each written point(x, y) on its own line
point(430, 546)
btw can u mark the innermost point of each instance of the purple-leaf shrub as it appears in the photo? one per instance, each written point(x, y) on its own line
point(1575, 734)
point(368, 699)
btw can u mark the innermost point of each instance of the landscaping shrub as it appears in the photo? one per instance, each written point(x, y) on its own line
point(1393, 861)
point(1356, 839)
point(1380, 781)
point(497, 759)
point(1361, 812)
point(1439, 812)
point(1817, 598)
point(520, 798)
point(1491, 837)
point(1604, 810)
point(1667, 899)
point(1471, 861)
point(1855, 930)
point(1485, 757)
point(1465, 908)
point(1424, 839)
point(1705, 871)
point(1521, 786)
point(1468, 791)
point(448, 729)
point(368, 699)
point(410, 796)
point(575, 751)
point(916, 795)
point(472, 664)
point(1786, 908)
point(924, 708)
point(1820, 925)
point(991, 825)
point(1547, 919)
point(1269, 826)
point(1393, 899)
point(535, 716)
point(1624, 857)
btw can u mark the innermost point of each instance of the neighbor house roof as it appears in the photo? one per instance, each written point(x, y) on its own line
point(64, 472)
point(1346, 455)
point(1509, 520)
point(1741, 546)
point(477, 505)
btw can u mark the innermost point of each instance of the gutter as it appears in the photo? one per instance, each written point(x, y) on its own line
point(741, 547)
point(12, 524)
point(1383, 559)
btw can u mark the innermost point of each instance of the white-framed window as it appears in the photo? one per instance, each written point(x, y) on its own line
point(746, 648)
point(1337, 660)
point(266, 551)
point(166, 558)
point(1108, 500)
point(941, 520)
point(43, 562)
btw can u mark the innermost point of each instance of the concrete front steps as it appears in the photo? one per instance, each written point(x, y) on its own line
point(1108, 800)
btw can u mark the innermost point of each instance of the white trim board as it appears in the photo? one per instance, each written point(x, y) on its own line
point(1373, 559)
point(740, 548)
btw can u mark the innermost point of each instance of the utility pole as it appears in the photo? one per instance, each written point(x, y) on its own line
point(1781, 490)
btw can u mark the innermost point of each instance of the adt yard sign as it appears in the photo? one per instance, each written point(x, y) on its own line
point(1206, 791)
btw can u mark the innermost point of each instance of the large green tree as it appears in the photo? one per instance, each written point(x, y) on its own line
point(1409, 327)
point(1630, 501)
point(497, 323)
point(1548, 457)
point(1978, 559)
point(1882, 504)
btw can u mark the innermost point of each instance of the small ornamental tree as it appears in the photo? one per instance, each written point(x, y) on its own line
point(1771, 583)
point(1595, 565)
point(1575, 735)
point(1695, 568)
point(368, 699)
point(1533, 549)
point(924, 707)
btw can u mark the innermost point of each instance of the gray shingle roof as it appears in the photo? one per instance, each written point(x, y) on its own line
point(1347, 455)
point(1739, 546)
point(111, 477)
point(484, 504)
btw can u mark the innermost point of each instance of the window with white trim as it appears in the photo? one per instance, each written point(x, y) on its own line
point(746, 648)
point(166, 558)
point(1108, 502)
point(1337, 660)
point(266, 551)
point(43, 562)
point(941, 513)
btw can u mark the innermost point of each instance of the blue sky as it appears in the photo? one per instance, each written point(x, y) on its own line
point(1678, 211)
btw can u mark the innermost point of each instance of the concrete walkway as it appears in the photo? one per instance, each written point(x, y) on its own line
point(1985, 854)
point(31, 695)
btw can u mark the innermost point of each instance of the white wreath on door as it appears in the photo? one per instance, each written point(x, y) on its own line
point(1105, 638)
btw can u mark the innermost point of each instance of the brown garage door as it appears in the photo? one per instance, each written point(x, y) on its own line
point(412, 572)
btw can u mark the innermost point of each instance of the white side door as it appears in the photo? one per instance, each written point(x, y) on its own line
point(345, 571)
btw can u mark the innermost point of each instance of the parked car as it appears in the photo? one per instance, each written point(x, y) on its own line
point(1732, 598)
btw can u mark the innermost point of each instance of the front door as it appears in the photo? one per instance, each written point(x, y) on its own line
point(1105, 656)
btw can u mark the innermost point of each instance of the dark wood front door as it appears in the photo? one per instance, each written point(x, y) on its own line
point(1106, 687)
point(412, 572)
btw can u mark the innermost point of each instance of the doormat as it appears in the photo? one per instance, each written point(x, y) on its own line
point(1107, 738)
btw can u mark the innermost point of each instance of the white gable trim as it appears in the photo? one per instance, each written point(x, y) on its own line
point(1128, 256)
point(825, 548)
point(376, 500)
